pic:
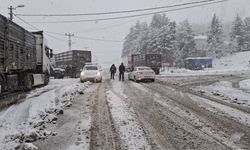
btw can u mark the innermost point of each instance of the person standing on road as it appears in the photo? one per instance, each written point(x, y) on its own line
point(112, 72)
point(121, 72)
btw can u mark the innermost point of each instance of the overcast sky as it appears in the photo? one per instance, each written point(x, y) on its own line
point(109, 52)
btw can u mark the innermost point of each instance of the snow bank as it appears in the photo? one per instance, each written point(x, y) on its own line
point(24, 123)
point(237, 61)
point(225, 110)
point(229, 64)
point(245, 84)
point(224, 90)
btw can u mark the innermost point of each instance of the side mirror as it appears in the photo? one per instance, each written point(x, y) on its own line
point(51, 53)
point(81, 70)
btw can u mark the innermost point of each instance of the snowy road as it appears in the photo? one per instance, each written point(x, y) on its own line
point(171, 113)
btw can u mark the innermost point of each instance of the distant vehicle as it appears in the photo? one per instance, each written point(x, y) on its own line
point(24, 57)
point(58, 73)
point(127, 63)
point(154, 61)
point(142, 73)
point(91, 73)
point(72, 61)
point(198, 63)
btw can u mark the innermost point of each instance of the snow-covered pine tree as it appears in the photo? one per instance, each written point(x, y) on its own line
point(128, 43)
point(246, 34)
point(162, 37)
point(215, 38)
point(237, 34)
point(135, 40)
point(142, 37)
point(185, 42)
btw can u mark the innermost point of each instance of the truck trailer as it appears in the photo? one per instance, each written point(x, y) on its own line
point(198, 63)
point(72, 61)
point(24, 57)
point(153, 61)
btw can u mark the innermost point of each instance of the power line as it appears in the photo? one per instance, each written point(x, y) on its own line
point(114, 12)
point(87, 38)
point(131, 16)
point(34, 27)
point(94, 39)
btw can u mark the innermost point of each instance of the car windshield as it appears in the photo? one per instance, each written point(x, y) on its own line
point(91, 68)
point(142, 69)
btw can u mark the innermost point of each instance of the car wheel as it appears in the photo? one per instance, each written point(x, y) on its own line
point(136, 80)
point(153, 80)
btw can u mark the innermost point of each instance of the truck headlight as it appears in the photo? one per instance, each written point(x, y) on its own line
point(82, 73)
point(98, 73)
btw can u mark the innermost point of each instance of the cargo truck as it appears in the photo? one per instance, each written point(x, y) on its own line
point(198, 63)
point(153, 61)
point(72, 61)
point(24, 57)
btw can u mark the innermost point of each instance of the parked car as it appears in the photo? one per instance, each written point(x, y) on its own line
point(58, 73)
point(142, 73)
point(91, 73)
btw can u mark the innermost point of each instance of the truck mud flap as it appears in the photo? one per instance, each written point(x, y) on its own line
point(38, 79)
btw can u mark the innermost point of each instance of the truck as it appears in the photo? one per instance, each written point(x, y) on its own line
point(72, 61)
point(24, 57)
point(154, 61)
point(198, 63)
point(127, 62)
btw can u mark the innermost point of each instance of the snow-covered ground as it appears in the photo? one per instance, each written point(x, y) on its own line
point(125, 119)
point(229, 64)
point(245, 85)
point(224, 90)
point(25, 122)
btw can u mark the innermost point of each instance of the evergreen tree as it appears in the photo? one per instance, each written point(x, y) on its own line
point(162, 37)
point(246, 34)
point(135, 40)
point(237, 34)
point(128, 43)
point(215, 38)
point(185, 42)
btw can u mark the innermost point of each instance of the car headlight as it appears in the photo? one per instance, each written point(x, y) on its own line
point(98, 73)
point(82, 73)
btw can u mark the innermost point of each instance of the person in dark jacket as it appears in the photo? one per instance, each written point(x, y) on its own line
point(121, 72)
point(112, 72)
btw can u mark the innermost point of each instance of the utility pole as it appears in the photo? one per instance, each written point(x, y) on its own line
point(11, 10)
point(70, 42)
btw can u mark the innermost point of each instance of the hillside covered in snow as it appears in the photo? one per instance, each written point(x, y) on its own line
point(236, 61)
point(228, 64)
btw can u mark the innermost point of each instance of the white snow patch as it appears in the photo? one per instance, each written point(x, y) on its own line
point(130, 131)
point(215, 107)
point(235, 62)
point(40, 107)
point(29, 146)
point(224, 90)
point(245, 84)
point(226, 65)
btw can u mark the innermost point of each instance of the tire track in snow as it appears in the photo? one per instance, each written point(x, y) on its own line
point(131, 133)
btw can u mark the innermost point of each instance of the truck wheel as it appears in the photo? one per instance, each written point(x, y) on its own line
point(46, 78)
point(2, 85)
point(28, 82)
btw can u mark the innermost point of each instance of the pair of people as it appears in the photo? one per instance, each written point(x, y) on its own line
point(121, 72)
